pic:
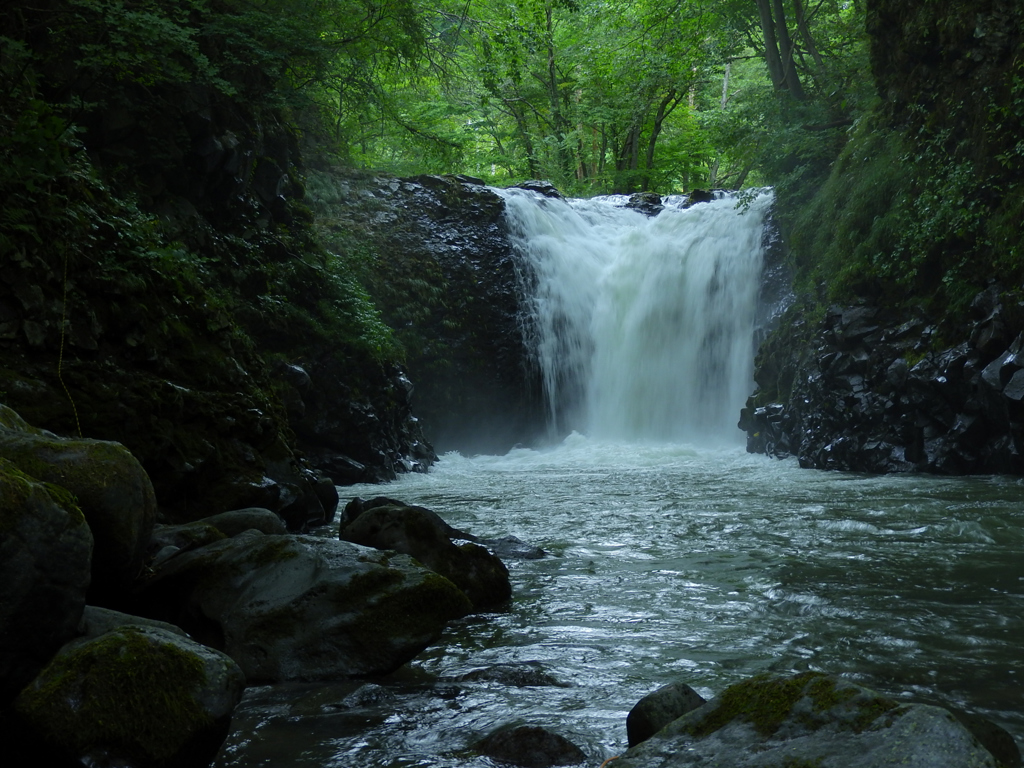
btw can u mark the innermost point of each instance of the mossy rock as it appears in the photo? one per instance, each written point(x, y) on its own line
point(809, 719)
point(422, 534)
point(135, 696)
point(45, 561)
point(302, 607)
point(110, 486)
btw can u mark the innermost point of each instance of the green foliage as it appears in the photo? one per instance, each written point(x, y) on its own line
point(838, 235)
point(602, 96)
point(926, 210)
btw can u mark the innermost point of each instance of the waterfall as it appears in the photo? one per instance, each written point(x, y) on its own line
point(642, 326)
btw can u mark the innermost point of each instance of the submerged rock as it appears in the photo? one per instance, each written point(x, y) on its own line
point(140, 697)
point(809, 720)
point(526, 674)
point(304, 608)
point(647, 203)
point(531, 746)
point(545, 188)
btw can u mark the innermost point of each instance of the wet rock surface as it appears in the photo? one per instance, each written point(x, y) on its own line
point(810, 719)
point(869, 390)
point(421, 533)
point(659, 708)
point(449, 282)
point(302, 607)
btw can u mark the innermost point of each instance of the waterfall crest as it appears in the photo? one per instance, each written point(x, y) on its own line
point(642, 326)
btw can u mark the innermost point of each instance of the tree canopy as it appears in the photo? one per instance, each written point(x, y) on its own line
point(605, 95)
point(595, 95)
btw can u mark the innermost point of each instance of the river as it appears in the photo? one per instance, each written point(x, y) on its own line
point(673, 563)
point(673, 555)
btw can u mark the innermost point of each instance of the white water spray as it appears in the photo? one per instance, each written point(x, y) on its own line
point(642, 327)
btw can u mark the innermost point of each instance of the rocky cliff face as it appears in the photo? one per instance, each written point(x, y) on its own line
point(447, 279)
point(864, 389)
point(916, 368)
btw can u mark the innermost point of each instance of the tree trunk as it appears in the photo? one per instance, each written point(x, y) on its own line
point(713, 172)
point(558, 122)
point(771, 46)
point(778, 48)
point(805, 34)
point(665, 108)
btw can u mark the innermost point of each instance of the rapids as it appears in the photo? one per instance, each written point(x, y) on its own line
point(669, 562)
point(673, 554)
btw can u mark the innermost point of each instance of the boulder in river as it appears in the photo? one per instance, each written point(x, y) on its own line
point(45, 560)
point(137, 696)
point(421, 533)
point(303, 607)
point(168, 540)
point(809, 719)
point(531, 746)
point(659, 708)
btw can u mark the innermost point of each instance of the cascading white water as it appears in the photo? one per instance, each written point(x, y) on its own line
point(642, 326)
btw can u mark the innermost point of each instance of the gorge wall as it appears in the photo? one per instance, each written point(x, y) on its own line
point(905, 351)
point(447, 279)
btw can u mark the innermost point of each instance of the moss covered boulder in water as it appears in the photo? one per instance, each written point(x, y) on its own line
point(421, 533)
point(111, 487)
point(140, 697)
point(302, 607)
point(45, 553)
point(809, 720)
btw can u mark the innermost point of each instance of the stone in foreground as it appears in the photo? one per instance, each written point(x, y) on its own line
point(45, 560)
point(137, 696)
point(305, 608)
point(809, 720)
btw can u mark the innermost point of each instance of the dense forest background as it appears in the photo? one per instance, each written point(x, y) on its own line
point(171, 172)
point(596, 96)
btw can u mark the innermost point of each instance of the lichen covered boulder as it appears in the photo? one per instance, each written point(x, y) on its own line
point(45, 557)
point(302, 607)
point(810, 719)
point(140, 697)
point(421, 533)
point(111, 487)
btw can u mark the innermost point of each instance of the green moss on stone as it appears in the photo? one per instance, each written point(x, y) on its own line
point(121, 693)
point(16, 487)
point(276, 549)
point(424, 606)
point(766, 702)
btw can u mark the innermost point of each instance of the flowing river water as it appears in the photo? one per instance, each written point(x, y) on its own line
point(673, 555)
